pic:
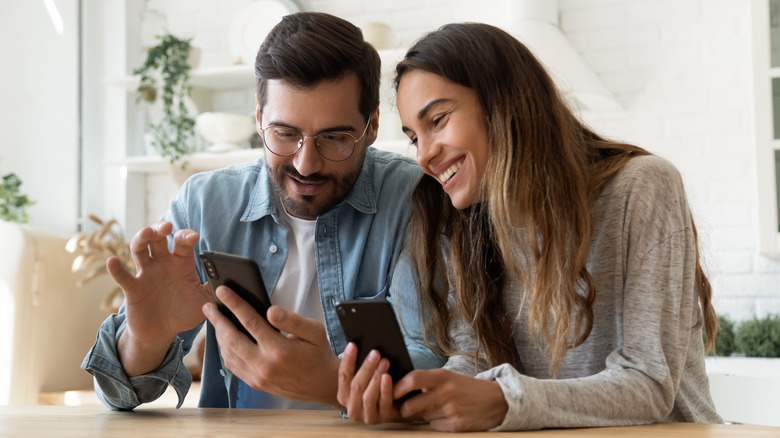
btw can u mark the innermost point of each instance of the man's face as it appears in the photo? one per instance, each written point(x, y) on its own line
point(308, 184)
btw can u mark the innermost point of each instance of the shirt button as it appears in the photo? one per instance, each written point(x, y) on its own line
point(273, 249)
point(222, 372)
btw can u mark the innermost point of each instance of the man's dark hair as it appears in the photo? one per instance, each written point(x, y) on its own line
point(307, 48)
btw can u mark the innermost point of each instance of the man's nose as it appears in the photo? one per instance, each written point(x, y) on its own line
point(308, 160)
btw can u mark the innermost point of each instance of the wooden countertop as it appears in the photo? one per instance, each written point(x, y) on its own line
point(94, 421)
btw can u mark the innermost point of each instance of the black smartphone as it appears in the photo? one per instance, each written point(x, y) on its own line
point(372, 325)
point(240, 274)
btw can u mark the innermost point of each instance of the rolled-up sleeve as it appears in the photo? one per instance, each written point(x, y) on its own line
point(118, 391)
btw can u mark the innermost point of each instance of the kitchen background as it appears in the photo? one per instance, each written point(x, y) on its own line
point(682, 72)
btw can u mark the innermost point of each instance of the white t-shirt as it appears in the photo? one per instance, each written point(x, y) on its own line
point(297, 289)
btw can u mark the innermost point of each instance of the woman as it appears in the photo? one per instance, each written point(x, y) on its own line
point(560, 275)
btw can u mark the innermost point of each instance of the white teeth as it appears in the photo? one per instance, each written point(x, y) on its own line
point(447, 174)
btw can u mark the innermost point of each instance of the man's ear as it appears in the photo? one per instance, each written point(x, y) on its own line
point(373, 128)
point(257, 116)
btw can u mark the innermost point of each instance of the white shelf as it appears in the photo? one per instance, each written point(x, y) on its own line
point(215, 78)
point(196, 162)
point(241, 76)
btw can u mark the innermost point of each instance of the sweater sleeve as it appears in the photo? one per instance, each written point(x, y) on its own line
point(640, 381)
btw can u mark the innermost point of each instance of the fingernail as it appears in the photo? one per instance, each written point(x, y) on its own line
point(373, 356)
point(207, 309)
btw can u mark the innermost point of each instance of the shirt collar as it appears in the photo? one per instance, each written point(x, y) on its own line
point(362, 197)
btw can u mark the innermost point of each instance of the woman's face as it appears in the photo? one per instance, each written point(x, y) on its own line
point(444, 121)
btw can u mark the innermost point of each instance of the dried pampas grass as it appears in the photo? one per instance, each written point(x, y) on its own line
point(93, 249)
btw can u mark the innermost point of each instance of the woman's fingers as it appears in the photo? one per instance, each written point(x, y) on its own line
point(346, 373)
point(371, 396)
point(359, 384)
point(387, 410)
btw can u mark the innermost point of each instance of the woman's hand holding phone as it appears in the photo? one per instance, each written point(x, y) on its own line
point(367, 392)
point(449, 401)
point(365, 377)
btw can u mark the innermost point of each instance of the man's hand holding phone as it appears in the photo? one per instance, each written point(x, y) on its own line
point(291, 358)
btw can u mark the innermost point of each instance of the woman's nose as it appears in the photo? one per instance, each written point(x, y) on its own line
point(426, 150)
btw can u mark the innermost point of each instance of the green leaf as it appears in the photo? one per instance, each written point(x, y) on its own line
point(13, 204)
point(168, 62)
point(760, 337)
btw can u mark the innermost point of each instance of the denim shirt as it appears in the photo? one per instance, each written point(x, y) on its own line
point(358, 252)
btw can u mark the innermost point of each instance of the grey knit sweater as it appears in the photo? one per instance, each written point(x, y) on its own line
point(643, 361)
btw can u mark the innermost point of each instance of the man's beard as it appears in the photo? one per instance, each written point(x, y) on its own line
point(304, 206)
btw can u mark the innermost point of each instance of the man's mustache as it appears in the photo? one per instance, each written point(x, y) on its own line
point(313, 178)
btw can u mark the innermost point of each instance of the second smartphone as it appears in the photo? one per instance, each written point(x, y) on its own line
point(240, 274)
point(372, 325)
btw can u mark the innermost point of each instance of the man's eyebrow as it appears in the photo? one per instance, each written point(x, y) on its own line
point(421, 114)
point(337, 128)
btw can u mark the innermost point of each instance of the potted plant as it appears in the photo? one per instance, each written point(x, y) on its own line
point(760, 337)
point(13, 204)
point(751, 347)
point(168, 63)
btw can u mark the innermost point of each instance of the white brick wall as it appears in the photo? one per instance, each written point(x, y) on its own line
point(680, 68)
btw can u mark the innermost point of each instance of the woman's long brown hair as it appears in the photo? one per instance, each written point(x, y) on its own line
point(544, 169)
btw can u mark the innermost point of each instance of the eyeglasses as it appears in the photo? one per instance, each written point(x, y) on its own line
point(334, 146)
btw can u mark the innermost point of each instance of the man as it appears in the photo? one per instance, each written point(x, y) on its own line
point(322, 215)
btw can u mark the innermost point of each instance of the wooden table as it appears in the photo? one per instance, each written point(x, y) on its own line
point(83, 422)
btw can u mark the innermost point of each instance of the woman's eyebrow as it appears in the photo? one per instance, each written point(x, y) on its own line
point(427, 108)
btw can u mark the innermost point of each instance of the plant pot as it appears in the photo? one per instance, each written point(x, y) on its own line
point(744, 366)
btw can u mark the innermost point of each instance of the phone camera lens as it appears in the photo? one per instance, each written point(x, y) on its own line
point(210, 270)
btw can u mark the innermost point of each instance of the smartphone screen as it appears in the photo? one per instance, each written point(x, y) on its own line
point(372, 325)
point(240, 274)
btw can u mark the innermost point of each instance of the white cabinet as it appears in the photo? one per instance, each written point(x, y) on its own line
point(151, 181)
point(766, 66)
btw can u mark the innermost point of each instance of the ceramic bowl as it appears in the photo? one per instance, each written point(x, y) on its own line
point(378, 34)
point(225, 131)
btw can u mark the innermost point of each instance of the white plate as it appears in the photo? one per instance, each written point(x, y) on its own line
point(251, 25)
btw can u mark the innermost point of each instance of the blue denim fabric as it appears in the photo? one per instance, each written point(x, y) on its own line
point(359, 244)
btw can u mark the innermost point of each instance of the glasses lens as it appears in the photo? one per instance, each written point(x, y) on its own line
point(281, 140)
point(335, 146)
